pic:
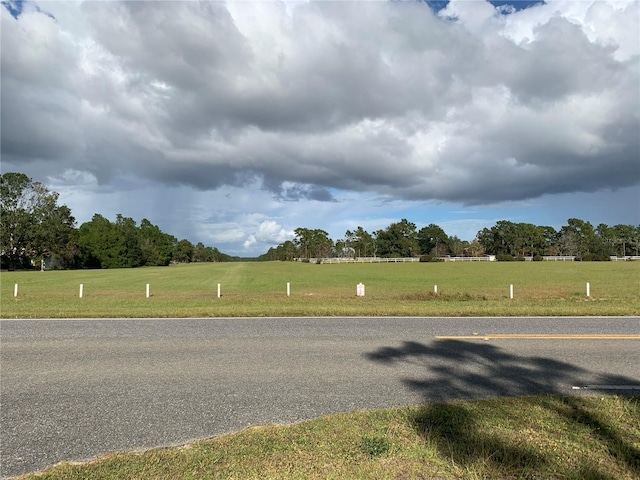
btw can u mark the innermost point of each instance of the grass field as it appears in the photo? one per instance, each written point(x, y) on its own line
point(260, 289)
point(541, 437)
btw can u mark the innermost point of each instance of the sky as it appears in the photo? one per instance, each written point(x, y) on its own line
point(234, 123)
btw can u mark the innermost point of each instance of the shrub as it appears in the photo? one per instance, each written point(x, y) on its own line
point(502, 257)
point(594, 257)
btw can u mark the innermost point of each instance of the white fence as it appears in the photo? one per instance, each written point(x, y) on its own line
point(365, 260)
point(486, 258)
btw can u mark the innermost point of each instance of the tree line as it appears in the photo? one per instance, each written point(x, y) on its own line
point(507, 240)
point(34, 228)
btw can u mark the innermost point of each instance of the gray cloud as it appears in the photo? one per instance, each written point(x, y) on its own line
point(366, 96)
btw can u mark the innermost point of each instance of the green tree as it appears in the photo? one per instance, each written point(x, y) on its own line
point(499, 239)
point(202, 253)
point(457, 246)
point(432, 240)
point(156, 247)
point(32, 224)
point(580, 235)
point(360, 241)
point(547, 237)
point(100, 244)
point(128, 233)
point(623, 236)
point(398, 240)
point(515, 239)
point(183, 251)
point(312, 243)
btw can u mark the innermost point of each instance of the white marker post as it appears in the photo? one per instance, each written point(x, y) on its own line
point(81, 289)
point(147, 290)
point(218, 290)
point(511, 291)
point(15, 290)
point(360, 290)
point(435, 289)
point(288, 289)
point(588, 290)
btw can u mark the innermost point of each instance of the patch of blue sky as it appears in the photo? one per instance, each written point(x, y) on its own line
point(14, 7)
point(17, 7)
point(517, 5)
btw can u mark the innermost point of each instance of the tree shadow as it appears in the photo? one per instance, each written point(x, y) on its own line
point(456, 369)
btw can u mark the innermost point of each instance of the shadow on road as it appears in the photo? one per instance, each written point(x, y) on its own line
point(456, 369)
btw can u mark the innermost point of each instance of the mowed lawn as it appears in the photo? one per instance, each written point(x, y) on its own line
point(260, 289)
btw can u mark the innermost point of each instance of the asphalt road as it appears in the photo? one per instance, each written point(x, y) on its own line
point(76, 389)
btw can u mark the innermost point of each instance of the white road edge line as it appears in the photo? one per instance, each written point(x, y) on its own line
point(607, 387)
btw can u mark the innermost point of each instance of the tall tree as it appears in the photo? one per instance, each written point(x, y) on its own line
point(475, 249)
point(312, 243)
point(398, 240)
point(623, 236)
point(183, 251)
point(457, 246)
point(433, 241)
point(499, 239)
point(128, 233)
point(582, 235)
point(32, 224)
point(101, 244)
point(155, 246)
point(547, 235)
point(361, 241)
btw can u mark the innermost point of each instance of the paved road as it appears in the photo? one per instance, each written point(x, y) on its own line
point(75, 389)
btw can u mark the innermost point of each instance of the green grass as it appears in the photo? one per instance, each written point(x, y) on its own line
point(259, 289)
point(541, 437)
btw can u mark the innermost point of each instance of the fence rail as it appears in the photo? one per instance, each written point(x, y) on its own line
point(486, 258)
point(365, 260)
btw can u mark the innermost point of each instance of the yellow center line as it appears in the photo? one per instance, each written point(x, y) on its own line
point(552, 336)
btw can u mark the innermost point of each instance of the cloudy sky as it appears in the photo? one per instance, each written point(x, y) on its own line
point(234, 123)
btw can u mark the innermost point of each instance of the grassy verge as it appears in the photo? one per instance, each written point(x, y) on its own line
point(530, 437)
point(259, 289)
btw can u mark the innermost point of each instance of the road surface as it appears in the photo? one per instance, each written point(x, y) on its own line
point(76, 389)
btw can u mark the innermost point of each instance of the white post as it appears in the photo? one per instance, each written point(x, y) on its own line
point(15, 290)
point(81, 288)
point(218, 290)
point(288, 289)
point(435, 289)
point(147, 290)
point(511, 291)
point(360, 290)
point(588, 290)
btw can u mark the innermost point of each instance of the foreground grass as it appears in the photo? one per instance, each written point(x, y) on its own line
point(259, 289)
point(530, 437)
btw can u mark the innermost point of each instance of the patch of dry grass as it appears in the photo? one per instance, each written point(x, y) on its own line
point(528, 437)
